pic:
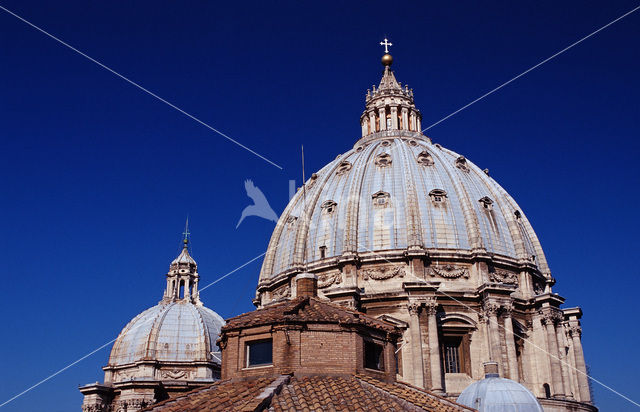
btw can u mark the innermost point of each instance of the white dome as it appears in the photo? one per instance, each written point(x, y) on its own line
point(396, 190)
point(174, 331)
point(494, 394)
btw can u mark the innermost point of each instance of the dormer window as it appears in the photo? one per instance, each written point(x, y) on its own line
point(486, 203)
point(383, 160)
point(461, 163)
point(380, 199)
point(329, 207)
point(425, 159)
point(517, 214)
point(438, 195)
point(343, 167)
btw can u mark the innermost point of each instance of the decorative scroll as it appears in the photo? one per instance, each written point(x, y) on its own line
point(327, 279)
point(449, 271)
point(503, 276)
point(383, 273)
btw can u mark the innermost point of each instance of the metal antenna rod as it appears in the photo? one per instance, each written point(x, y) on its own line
point(304, 207)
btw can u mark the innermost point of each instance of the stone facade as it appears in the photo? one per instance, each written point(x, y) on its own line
point(420, 236)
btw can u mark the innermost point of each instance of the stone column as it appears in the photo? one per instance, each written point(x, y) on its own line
point(416, 343)
point(394, 118)
point(548, 319)
point(510, 343)
point(405, 118)
point(583, 381)
point(372, 121)
point(434, 345)
point(564, 366)
point(383, 119)
point(418, 124)
point(495, 349)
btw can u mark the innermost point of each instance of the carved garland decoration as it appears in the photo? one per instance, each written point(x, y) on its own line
point(383, 273)
point(280, 293)
point(327, 279)
point(503, 276)
point(174, 374)
point(449, 271)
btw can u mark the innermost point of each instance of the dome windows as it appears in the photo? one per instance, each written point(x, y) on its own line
point(383, 160)
point(487, 203)
point(380, 199)
point(328, 207)
point(425, 159)
point(461, 163)
point(344, 167)
point(438, 196)
point(385, 143)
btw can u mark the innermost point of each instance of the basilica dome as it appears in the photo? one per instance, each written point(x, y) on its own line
point(396, 190)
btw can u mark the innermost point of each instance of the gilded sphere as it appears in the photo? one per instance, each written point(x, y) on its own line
point(387, 60)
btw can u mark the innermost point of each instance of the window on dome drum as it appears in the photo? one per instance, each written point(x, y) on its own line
point(323, 252)
point(451, 356)
point(373, 356)
point(259, 353)
point(547, 390)
point(454, 352)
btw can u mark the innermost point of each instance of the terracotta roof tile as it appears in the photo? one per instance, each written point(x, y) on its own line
point(306, 309)
point(313, 393)
point(224, 395)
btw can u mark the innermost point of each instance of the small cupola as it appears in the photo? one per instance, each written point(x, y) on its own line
point(182, 278)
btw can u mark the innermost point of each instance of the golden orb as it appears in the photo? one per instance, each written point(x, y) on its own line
point(387, 60)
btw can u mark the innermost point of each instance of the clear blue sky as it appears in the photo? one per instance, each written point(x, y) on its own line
point(98, 177)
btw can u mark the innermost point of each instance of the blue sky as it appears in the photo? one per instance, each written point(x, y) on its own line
point(98, 176)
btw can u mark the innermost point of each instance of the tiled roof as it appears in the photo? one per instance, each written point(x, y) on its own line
point(221, 396)
point(306, 309)
point(313, 393)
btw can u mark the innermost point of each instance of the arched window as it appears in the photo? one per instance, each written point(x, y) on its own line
point(547, 390)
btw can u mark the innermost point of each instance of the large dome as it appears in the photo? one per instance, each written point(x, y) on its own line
point(399, 191)
point(175, 331)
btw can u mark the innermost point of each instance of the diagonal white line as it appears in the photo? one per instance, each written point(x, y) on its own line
point(531, 68)
point(521, 337)
point(113, 340)
point(140, 87)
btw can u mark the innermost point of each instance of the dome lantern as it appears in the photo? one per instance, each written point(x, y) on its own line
point(390, 106)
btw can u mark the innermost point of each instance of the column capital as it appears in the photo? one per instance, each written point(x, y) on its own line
point(550, 316)
point(575, 331)
point(490, 308)
point(414, 307)
point(507, 310)
point(431, 306)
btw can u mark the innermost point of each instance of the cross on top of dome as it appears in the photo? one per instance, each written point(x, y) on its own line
point(386, 45)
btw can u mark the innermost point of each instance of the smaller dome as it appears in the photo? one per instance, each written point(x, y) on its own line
point(177, 331)
point(495, 394)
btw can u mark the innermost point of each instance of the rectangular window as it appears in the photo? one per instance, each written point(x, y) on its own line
point(260, 353)
point(451, 354)
point(373, 356)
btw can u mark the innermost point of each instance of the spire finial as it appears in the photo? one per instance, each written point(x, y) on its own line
point(186, 233)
